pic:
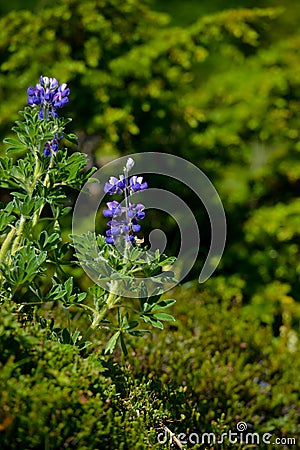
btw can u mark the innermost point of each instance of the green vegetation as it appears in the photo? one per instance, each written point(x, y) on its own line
point(206, 373)
point(221, 88)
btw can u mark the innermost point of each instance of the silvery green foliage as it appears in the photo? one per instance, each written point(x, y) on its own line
point(38, 174)
point(130, 279)
point(38, 183)
point(124, 299)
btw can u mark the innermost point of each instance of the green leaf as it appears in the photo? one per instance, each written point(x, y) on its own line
point(81, 297)
point(110, 346)
point(163, 304)
point(72, 138)
point(83, 345)
point(66, 337)
point(68, 285)
point(26, 264)
point(154, 322)
point(14, 145)
point(164, 316)
point(5, 219)
point(57, 292)
point(139, 332)
point(75, 336)
point(65, 211)
point(48, 242)
point(143, 291)
point(167, 262)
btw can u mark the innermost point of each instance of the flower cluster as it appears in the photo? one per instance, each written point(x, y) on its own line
point(49, 96)
point(124, 219)
point(50, 147)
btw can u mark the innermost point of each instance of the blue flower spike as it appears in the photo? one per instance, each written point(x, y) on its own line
point(49, 96)
point(124, 220)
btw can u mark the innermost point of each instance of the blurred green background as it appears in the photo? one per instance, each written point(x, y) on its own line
point(215, 82)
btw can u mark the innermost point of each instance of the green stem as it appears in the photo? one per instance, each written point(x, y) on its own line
point(19, 230)
point(18, 235)
point(126, 195)
point(46, 184)
point(36, 175)
point(110, 300)
point(6, 244)
point(94, 325)
point(99, 316)
point(110, 303)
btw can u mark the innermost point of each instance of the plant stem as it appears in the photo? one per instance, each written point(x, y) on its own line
point(98, 316)
point(110, 300)
point(94, 325)
point(6, 244)
point(18, 235)
point(46, 184)
point(36, 173)
point(126, 195)
point(18, 232)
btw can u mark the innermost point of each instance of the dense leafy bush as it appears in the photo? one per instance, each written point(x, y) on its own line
point(206, 373)
point(220, 92)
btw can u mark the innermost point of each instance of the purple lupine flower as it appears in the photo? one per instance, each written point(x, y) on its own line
point(136, 211)
point(54, 145)
point(49, 96)
point(124, 221)
point(137, 184)
point(47, 149)
point(114, 209)
point(115, 185)
point(50, 147)
point(118, 227)
point(34, 96)
point(60, 99)
point(121, 226)
point(135, 227)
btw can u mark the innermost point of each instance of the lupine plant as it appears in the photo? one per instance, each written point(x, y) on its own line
point(131, 278)
point(38, 176)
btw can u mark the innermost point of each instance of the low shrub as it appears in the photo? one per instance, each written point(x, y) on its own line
point(205, 373)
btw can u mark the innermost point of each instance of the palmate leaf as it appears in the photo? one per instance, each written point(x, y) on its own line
point(28, 205)
point(65, 293)
point(47, 242)
point(6, 166)
point(25, 266)
point(14, 145)
point(5, 218)
point(156, 318)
